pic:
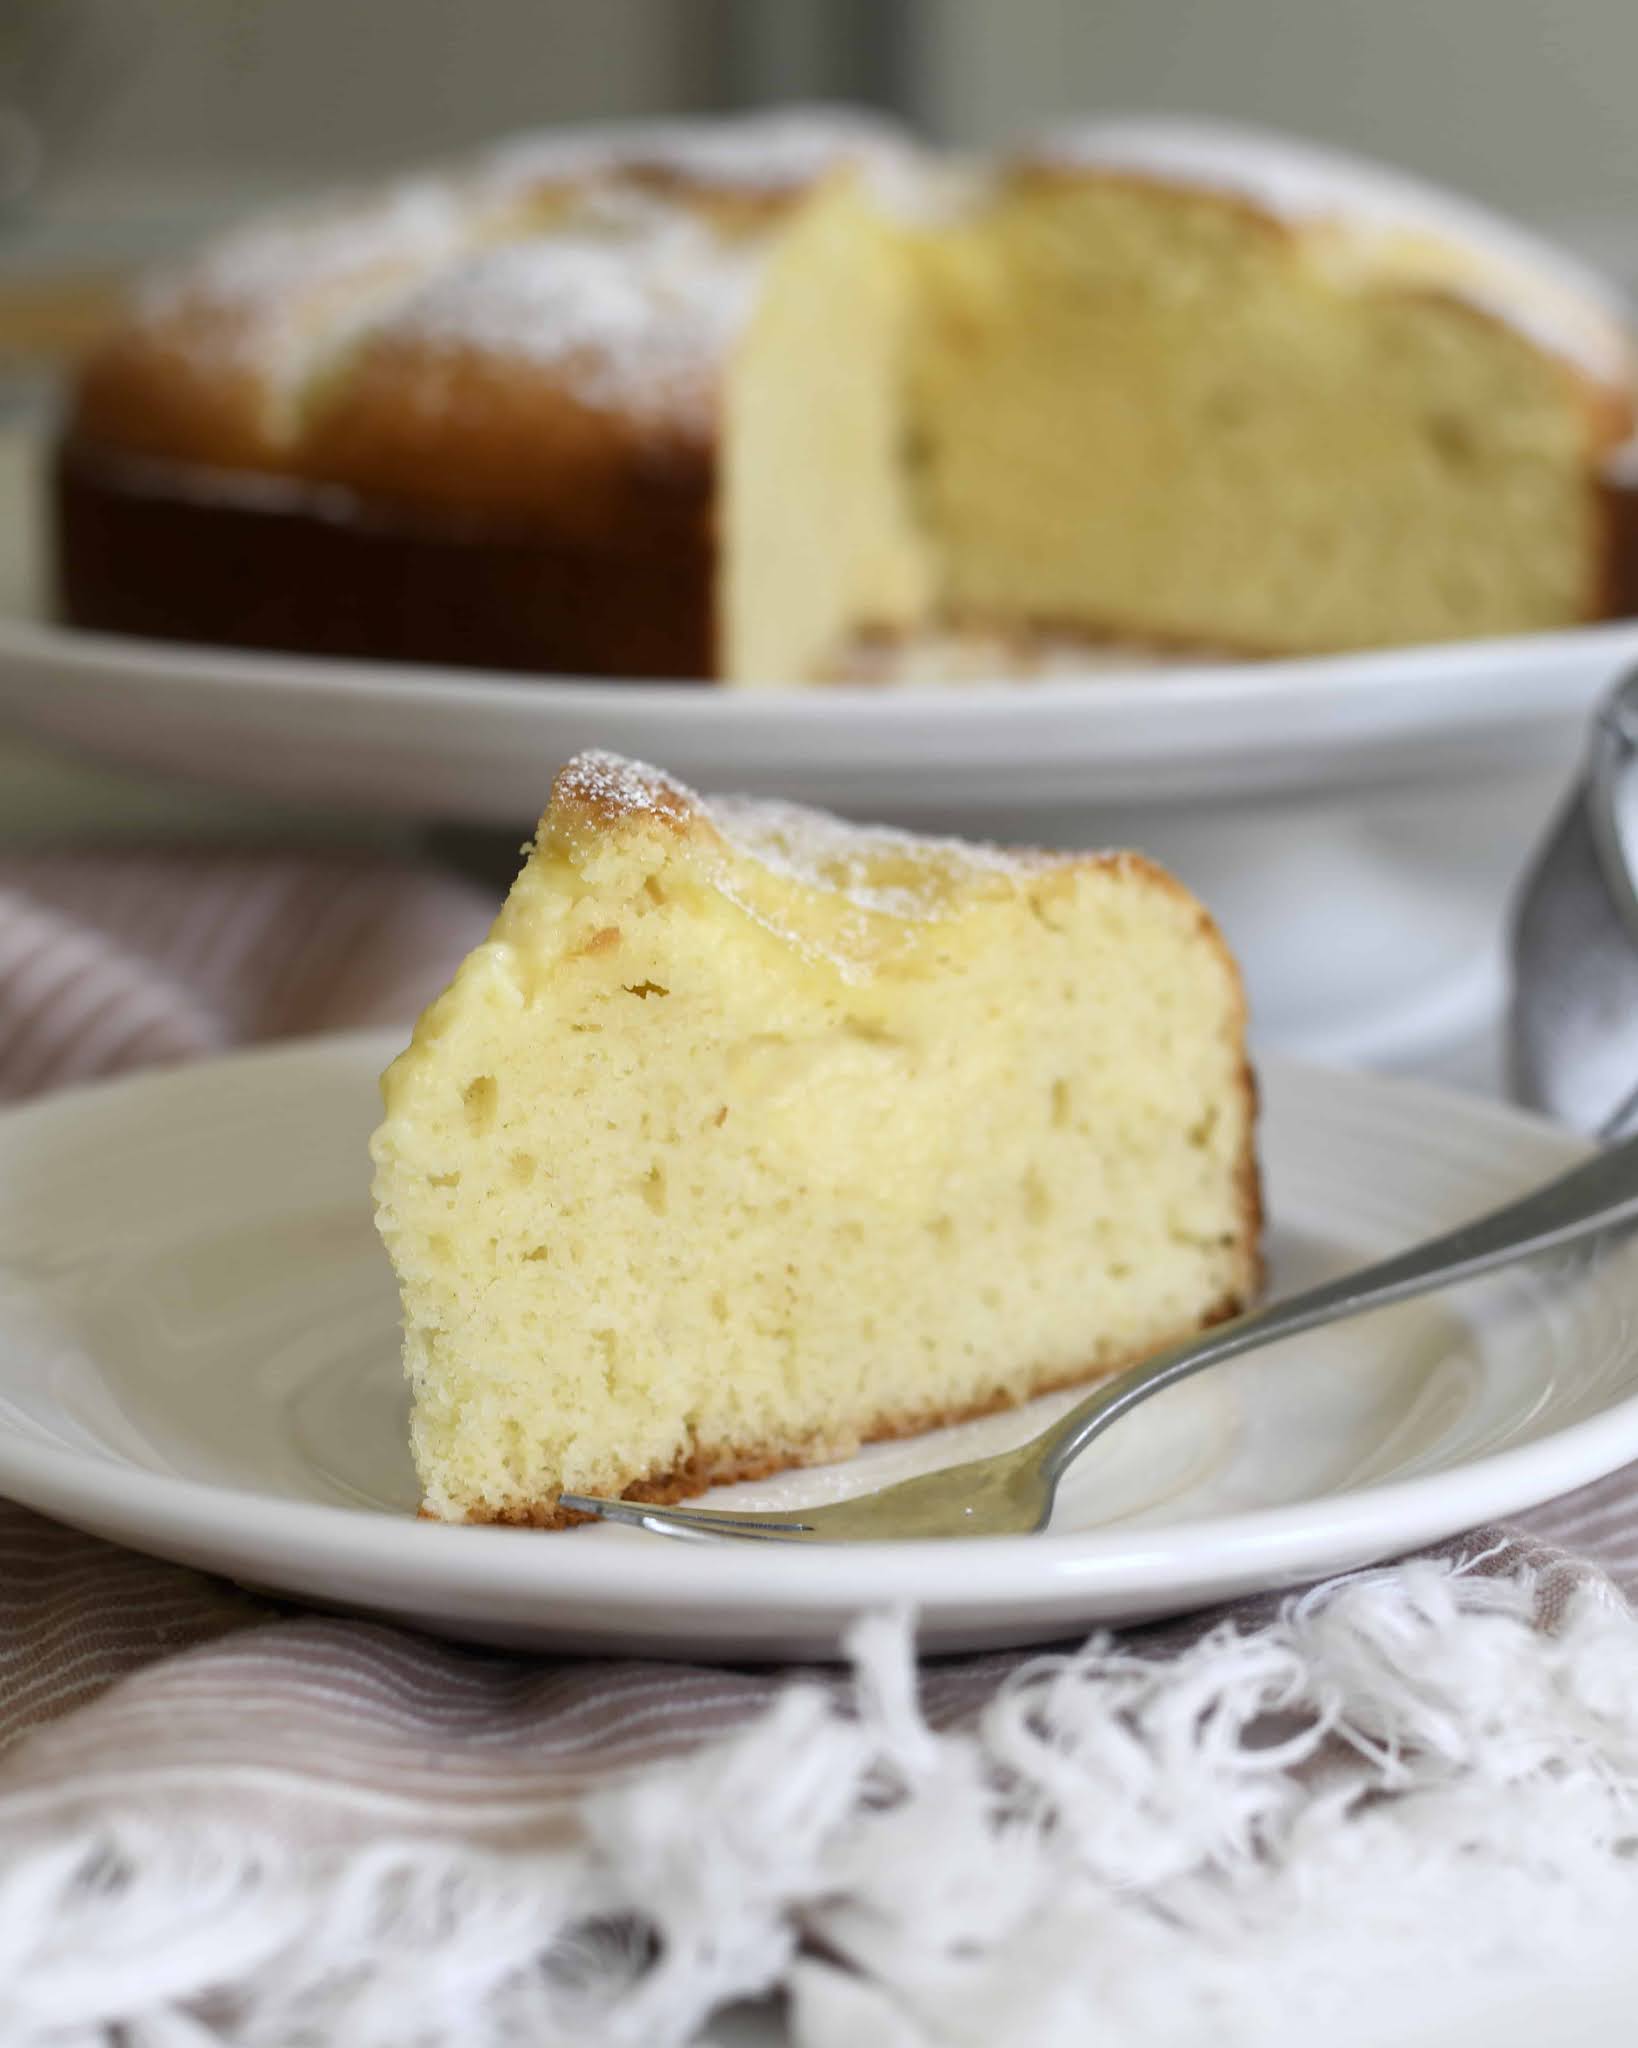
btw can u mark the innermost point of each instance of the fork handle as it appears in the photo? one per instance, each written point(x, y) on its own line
point(1599, 1195)
point(1610, 758)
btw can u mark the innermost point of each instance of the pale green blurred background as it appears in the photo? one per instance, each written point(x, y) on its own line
point(1528, 102)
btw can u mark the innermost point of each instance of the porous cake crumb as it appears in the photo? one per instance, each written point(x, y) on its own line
point(749, 1135)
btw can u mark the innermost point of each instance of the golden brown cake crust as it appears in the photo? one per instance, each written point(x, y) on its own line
point(488, 435)
point(172, 554)
point(459, 509)
point(604, 790)
point(1618, 496)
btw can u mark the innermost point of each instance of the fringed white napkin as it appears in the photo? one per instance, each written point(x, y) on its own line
point(1428, 1772)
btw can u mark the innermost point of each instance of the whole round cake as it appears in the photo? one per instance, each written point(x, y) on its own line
point(786, 399)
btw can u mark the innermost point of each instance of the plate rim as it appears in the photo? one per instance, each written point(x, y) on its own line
point(1110, 755)
point(1051, 1571)
point(1389, 673)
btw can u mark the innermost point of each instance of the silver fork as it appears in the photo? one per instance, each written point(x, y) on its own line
point(1012, 1494)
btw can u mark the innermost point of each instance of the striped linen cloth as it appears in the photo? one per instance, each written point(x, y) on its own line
point(136, 1688)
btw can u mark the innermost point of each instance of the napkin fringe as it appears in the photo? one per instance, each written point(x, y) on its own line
point(1431, 1762)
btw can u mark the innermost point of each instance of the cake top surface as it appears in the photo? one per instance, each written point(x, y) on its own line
point(1407, 229)
point(608, 790)
point(843, 897)
point(253, 295)
point(775, 153)
point(631, 322)
point(630, 284)
point(629, 290)
point(871, 869)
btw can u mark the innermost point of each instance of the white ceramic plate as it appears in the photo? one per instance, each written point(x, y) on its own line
point(477, 747)
point(198, 1357)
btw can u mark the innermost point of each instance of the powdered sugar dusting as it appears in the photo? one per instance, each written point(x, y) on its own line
point(898, 874)
point(1436, 235)
point(411, 224)
point(637, 324)
point(778, 153)
point(869, 881)
point(877, 869)
point(635, 296)
point(609, 783)
point(865, 883)
point(277, 295)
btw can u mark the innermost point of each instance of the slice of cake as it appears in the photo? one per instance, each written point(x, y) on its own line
point(749, 1135)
